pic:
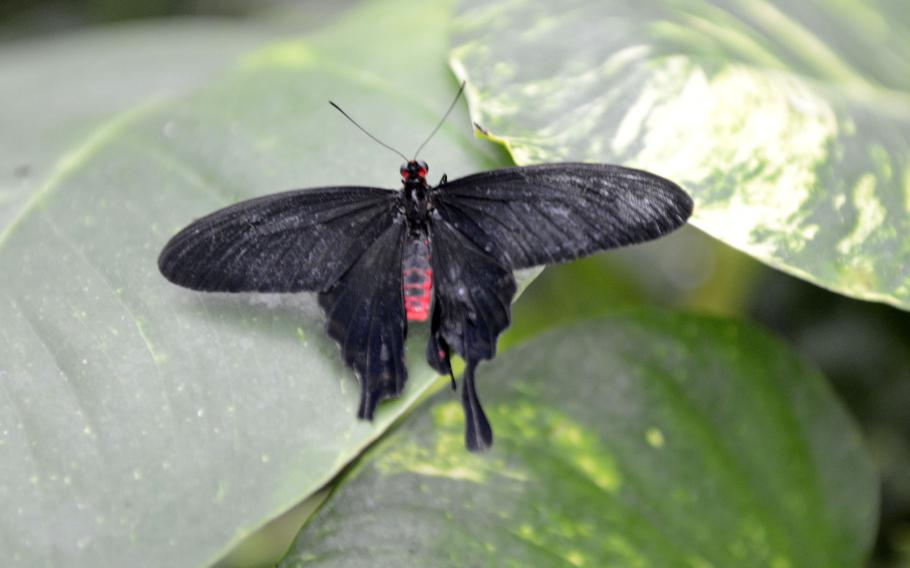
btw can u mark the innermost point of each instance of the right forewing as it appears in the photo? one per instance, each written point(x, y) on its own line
point(544, 214)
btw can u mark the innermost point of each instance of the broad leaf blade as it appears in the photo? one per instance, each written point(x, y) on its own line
point(56, 92)
point(641, 440)
point(143, 424)
point(788, 122)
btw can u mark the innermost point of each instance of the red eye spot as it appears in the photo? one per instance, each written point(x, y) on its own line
point(405, 174)
point(422, 172)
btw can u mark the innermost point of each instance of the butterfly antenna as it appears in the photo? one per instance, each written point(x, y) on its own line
point(444, 117)
point(365, 131)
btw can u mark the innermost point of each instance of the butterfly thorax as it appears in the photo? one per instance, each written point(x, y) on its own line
point(415, 193)
point(416, 203)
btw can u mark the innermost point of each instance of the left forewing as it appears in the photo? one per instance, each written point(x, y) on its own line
point(295, 241)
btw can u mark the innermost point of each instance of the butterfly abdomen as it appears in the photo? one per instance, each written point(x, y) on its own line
point(417, 279)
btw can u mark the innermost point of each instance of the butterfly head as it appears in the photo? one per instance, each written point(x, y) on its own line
point(414, 171)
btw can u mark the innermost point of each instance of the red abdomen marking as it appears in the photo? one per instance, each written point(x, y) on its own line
point(417, 280)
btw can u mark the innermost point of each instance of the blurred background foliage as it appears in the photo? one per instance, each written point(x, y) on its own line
point(22, 18)
point(863, 348)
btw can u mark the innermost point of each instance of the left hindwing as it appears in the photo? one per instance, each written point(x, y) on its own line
point(533, 215)
point(366, 316)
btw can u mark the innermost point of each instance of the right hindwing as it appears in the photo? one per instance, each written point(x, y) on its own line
point(473, 294)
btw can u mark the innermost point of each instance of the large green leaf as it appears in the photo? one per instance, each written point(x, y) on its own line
point(788, 121)
point(143, 424)
point(54, 92)
point(639, 440)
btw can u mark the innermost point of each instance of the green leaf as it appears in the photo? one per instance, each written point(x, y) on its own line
point(789, 122)
point(55, 92)
point(638, 440)
point(144, 424)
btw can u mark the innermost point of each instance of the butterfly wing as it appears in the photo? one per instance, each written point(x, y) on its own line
point(366, 316)
point(473, 294)
point(487, 224)
point(544, 214)
point(344, 242)
point(287, 242)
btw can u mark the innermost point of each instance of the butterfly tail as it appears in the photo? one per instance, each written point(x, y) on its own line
point(368, 402)
point(478, 435)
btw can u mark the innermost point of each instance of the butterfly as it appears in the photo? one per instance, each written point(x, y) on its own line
point(380, 259)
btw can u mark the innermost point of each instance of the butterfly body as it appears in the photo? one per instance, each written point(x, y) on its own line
point(379, 259)
point(417, 275)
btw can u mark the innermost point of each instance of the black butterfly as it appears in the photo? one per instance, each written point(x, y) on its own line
point(380, 258)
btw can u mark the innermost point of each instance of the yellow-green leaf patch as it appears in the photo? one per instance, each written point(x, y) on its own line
point(789, 122)
point(638, 440)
